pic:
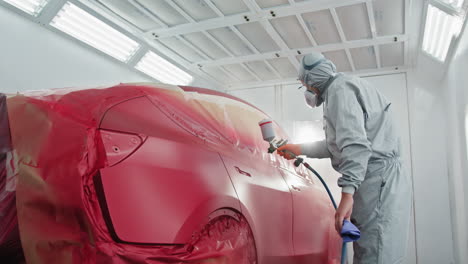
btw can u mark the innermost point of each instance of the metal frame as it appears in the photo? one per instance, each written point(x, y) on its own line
point(342, 37)
point(254, 14)
point(209, 36)
point(370, 13)
point(265, 22)
point(157, 47)
point(406, 46)
point(322, 48)
point(254, 49)
point(303, 25)
point(361, 73)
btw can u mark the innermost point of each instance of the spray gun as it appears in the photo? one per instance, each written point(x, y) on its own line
point(268, 133)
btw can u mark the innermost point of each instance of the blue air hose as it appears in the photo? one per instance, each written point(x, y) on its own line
point(300, 160)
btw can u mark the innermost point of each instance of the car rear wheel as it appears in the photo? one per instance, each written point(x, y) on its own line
point(226, 239)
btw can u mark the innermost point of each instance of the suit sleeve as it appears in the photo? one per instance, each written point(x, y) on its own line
point(316, 150)
point(347, 116)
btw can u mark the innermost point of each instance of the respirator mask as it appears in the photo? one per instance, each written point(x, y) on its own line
point(311, 98)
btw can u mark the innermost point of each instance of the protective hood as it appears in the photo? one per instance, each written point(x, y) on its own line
point(319, 76)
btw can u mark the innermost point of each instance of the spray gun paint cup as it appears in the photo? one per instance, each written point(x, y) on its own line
point(268, 133)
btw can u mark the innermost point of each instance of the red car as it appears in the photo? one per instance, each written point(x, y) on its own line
point(142, 173)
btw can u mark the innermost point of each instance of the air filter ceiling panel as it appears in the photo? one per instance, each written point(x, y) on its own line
point(291, 32)
point(322, 27)
point(258, 36)
point(355, 21)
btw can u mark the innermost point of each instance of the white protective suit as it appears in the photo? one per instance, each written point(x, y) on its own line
point(364, 148)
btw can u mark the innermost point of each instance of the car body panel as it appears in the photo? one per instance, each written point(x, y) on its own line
point(129, 173)
point(312, 219)
point(165, 184)
point(163, 187)
point(266, 196)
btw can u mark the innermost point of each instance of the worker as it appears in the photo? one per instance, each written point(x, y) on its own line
point(363, 145)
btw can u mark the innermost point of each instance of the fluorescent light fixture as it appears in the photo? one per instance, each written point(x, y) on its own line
point(454, 3)
point(440, 29)
point(32, 7)
point(94, 32)
point(162, 70)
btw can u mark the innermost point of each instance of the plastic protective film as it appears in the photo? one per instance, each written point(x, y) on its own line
point(56, 152)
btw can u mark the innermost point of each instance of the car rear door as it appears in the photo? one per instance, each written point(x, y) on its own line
point(313, 213)
point(265, 199)
point(161, 184)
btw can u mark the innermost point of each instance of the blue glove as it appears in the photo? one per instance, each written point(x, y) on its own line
point(349, 232)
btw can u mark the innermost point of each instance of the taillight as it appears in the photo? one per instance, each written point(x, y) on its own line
point(120, 145)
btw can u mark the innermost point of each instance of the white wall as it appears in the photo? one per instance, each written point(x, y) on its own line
point(34, 57)
point(286, 104)
point(434, 233)
point(453, 89)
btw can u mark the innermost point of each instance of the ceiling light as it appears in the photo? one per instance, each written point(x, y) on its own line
point(440, 29)
point(94, 32)
point(454, 3)
point(162, 70)
point(32, 7)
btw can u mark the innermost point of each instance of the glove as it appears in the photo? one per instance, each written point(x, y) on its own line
point(294, 148)
point(349, 232)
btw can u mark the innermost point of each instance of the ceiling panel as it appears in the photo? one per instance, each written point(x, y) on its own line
point(262, 70)
point(322, 27)
point(389, 16)
point(206, 45)
point(129, 13)
point(284, 67)
point(340, 60)
point(271, 3)
point(196, 47)
point(240, 72)
point(218, 74)
point(364, 58)
point(178, 47)
point(197, 9)
point(354, 21)
point(230, 7)
point(231, 41)
point(164, 12)
point(392, 54)
point(258, 36)
point(291, 32)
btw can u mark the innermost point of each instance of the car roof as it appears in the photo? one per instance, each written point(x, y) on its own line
point(217, 93)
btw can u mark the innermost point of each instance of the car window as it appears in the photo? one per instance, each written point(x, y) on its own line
point(216, 119)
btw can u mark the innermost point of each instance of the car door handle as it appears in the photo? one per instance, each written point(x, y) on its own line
point(296, 188)
point(242, 172)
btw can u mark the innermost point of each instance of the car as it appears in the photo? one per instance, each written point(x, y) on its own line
point(156, 173)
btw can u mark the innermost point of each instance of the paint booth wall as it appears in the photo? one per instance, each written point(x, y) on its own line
point(438, 102)
point(429, 158)
point(454, 91)
point(34, 57)
point(285, 103)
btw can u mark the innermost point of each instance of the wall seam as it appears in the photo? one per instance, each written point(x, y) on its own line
point(412, 167)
